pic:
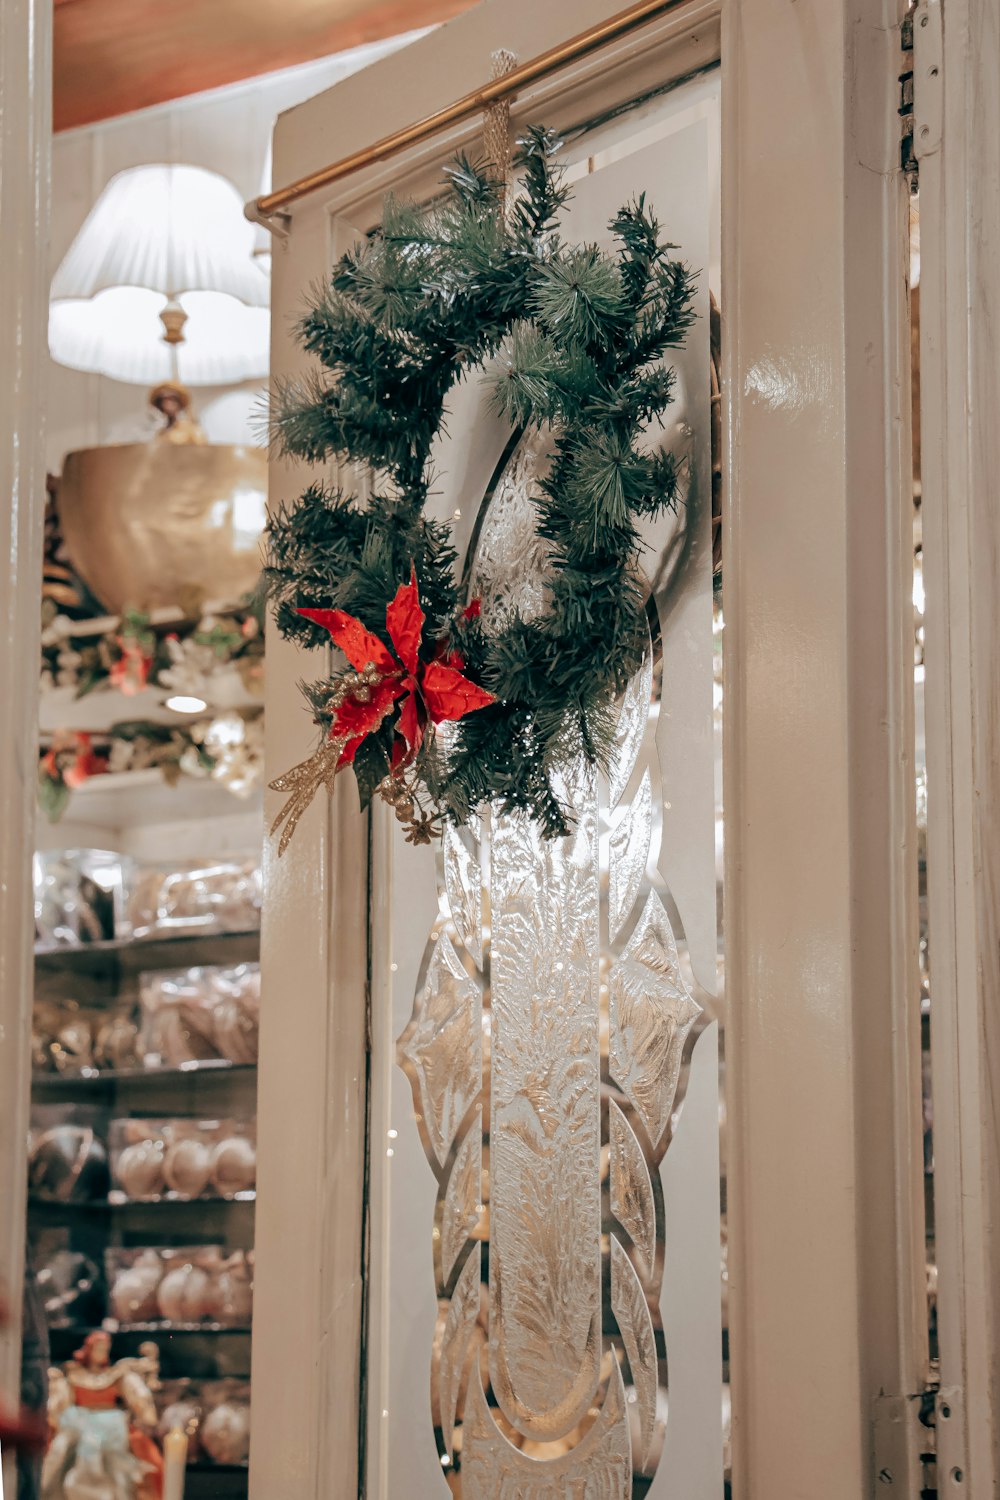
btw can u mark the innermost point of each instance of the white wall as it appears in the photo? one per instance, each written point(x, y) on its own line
point(226, 130)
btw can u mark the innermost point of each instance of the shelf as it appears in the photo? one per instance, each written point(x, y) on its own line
point(195, 1077)
point(132, 799)
point(120, 1204)
point(97, 711)
point(209, 1330)
point(180, 950)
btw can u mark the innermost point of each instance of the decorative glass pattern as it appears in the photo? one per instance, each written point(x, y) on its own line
point(547, 1053)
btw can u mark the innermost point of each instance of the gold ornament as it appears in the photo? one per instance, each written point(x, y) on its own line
point(304, 781)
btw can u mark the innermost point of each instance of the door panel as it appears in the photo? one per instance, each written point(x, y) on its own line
point(552, 1039)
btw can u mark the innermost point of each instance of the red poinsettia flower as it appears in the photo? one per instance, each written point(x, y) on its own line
point(433, 691)
point(130, 673)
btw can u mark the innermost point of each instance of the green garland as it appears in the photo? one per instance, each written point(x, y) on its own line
point(572, 338)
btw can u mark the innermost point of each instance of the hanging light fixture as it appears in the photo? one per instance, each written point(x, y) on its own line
point(160, 287)
point(161, 283)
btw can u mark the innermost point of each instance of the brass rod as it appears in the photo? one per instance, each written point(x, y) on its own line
point(595, 37)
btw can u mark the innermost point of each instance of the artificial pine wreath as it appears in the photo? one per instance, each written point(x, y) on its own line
point(572, 338)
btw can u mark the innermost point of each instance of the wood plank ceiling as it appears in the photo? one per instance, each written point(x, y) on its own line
point(113, 56)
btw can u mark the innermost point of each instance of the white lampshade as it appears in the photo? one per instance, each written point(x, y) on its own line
point(159, 233)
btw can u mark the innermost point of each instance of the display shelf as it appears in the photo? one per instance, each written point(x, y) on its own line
point(148, 1330)
point(179, 950)
point(132, 799)
point(193, 1079)
point(119, 1204)
point(97, 711)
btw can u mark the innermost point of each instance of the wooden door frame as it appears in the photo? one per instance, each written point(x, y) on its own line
point(823, 1045)
point(25, 137)
point(959, 166)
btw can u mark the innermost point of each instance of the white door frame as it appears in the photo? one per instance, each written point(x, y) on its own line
point(823, 1045)
point(959, 165)
point(25, 135)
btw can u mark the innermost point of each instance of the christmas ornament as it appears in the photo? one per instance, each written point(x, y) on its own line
point(423, 691)
point(572, 338)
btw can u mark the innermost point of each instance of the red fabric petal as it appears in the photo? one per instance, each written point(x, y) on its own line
point(354, 720)
point(472, 610)
point(449, 695)
point(412, 722)
point(404, 620)
point(401, 752)
point(350, 750)
point(358, 644)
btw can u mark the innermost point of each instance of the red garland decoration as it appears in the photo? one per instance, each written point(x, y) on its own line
point(429, 691)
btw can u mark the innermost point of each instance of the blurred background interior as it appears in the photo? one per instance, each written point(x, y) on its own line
point(147, 875)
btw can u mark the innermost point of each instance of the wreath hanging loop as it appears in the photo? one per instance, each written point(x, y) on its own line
point(570, 337)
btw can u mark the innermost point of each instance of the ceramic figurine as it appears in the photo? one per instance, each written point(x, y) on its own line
point(102, 1415)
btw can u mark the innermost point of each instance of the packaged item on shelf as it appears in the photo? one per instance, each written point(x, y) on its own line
point(178, 1405)
point(116, 1039)
point(225, 1428)
point(169, 1285)
point(237, 1012)
point(231, 1293)
point(197, 1014)
point(177, 1020)
point(134, 1278)
point(64, 1036)
point(233, 1166)
point(79, 896)
point(185, 1157)
point(222, 895)
point(67, 1159)
point(70, 1285)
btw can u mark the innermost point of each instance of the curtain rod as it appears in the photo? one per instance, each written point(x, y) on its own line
point(271, 206)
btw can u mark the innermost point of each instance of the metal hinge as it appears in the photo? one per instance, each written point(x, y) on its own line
point(897, 1446)
point(921, 87)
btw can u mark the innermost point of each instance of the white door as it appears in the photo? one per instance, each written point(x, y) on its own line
point(438, 1307)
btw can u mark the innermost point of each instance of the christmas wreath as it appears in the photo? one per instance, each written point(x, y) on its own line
point(571, 337)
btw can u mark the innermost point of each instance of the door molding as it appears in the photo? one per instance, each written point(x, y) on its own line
point(960, 453)
point(823, 1060)
point(25, 137)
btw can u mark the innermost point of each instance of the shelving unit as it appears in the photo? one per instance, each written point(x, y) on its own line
point(138, 814)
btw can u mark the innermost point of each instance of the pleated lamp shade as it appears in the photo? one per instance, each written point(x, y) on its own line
point(160, 233)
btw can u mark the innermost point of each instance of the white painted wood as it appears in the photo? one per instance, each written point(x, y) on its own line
point(823, 1050)
point(823, 1043)
point(25, 114)
point(960, 398)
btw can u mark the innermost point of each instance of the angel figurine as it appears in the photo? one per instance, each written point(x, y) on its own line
point(96, 1452)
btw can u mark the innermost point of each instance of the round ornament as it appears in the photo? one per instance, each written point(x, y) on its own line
point(225, 1433)
point(234, 1165)
point(140, 1168)
point(185, 1295)
point(187, 1167)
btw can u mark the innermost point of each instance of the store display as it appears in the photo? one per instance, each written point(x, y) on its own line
point(143, 1143)
point(222, 895)
point(102, 1413)
point(186, 1157)
point(78, 896)
point(180, 1286)
point(582, 334)
point(200, 1013)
